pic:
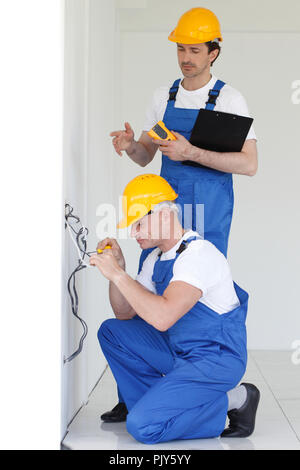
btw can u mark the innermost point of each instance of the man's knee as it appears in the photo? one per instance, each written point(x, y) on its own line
point(105, 332)
point(135, 423)
point(139, 426)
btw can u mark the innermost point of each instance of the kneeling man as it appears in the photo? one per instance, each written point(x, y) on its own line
point(177, 347)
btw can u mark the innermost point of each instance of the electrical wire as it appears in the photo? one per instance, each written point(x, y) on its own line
point(80, 242)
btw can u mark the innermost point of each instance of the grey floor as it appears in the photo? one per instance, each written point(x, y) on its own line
point(277, 423)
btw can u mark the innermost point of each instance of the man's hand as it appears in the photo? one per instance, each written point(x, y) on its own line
point(123, 139)
point(107, 264)
point(177, 150)
point(115, 249)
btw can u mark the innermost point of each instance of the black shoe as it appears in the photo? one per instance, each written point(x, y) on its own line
point(242, 420)
point(116, 415)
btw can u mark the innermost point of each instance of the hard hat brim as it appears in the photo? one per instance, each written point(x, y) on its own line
point(190, 40)
point(129, 220)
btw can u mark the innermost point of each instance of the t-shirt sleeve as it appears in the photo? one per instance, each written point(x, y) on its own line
point(239, 106)
point(156, 107)
point(145, 275)
point(202, 267)
point(150, 119)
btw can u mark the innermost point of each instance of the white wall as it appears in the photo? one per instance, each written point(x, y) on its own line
point(114, 59)
point(88, 181)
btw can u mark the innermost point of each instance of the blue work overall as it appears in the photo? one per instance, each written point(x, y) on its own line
point(210, 189)
point(174, 383)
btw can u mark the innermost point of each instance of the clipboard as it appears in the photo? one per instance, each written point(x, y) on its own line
point(219, 132)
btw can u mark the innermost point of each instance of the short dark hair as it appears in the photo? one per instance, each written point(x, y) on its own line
point(212, 45)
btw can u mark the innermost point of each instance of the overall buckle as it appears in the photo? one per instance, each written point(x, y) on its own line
point(212, 96)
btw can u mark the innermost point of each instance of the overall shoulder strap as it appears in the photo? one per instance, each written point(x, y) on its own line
point(213, 95)
point(173, 90)
point(185, 243)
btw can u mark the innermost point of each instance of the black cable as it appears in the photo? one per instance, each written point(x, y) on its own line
point(81, 243)
point(74, 306)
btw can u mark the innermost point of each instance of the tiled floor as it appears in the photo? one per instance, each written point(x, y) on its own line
point(277, 423)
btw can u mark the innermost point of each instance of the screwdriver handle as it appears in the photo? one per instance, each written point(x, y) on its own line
point(107, 247)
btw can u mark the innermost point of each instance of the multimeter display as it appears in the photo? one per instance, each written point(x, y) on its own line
point(159, 131)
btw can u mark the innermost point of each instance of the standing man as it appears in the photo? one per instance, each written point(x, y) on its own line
point(197, 36)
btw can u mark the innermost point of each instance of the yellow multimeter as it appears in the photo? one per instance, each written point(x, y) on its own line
point(107, 247)
point(159, 131)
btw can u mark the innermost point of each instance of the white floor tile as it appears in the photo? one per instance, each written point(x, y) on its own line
point(277, 424)
point(279, 372)
point(295, 423)
point(291, 408)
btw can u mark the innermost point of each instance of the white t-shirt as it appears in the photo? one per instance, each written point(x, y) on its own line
point(229, 100)
point(203, 266)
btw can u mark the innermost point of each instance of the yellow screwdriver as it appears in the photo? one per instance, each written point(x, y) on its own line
point(107, 247)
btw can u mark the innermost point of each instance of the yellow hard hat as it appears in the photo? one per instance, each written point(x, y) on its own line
point(196, 26)
point(141, 194)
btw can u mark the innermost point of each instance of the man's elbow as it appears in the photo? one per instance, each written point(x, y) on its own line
point(161, 325)
point(252, 166)
point(163, 322)
point(166, 320)
point(124, 315)
point(252, 170)
point(164, 327)
point(143, 163)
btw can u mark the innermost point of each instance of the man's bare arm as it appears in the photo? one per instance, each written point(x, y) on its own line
point(160, 311)
point(141, 152)
point(242, 163)
point(121, 308)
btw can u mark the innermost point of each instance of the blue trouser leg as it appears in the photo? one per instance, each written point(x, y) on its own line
point(137, 354)
point(121, 399)
point(186, 403)
point(189, 401)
